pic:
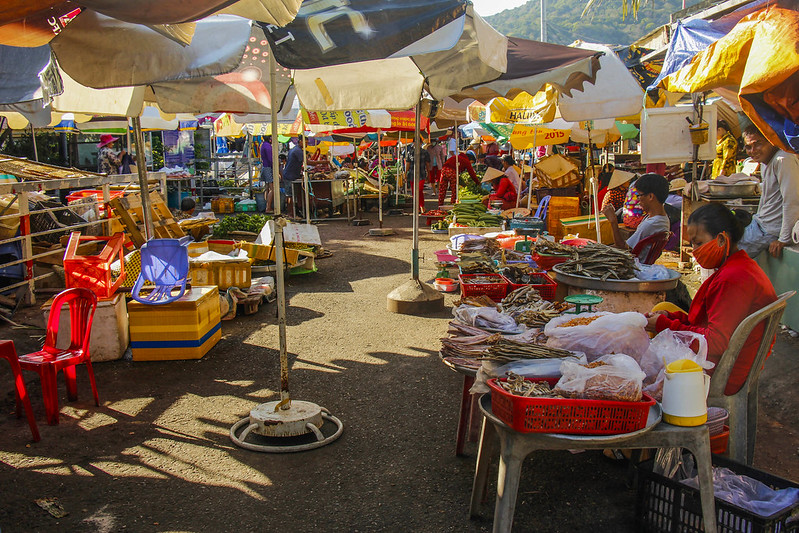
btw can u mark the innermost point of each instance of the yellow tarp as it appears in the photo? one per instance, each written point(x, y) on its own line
point(525, 108)
point(760, 57)
point(524, 137)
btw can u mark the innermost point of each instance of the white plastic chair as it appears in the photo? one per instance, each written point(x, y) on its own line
point(742, 405)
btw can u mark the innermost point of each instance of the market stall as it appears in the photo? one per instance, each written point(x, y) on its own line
point(563, 375)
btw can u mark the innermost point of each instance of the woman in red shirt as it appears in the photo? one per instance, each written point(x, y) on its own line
point(449, 179)
point(738, 288)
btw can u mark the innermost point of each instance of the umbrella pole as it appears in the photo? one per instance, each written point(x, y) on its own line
point(141, 167)
point(379, 181)
point(457, 167)
point(306, 178)
point(416, 170)
point(532, 167)
point(33, 140)
point(594, 183)
point(249, 165)
point(285, 397)
point(397, 170)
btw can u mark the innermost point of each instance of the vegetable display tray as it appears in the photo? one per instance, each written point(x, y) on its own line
point(568, 415)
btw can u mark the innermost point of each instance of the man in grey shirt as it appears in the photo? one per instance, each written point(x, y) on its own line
point(653, 190)
point(778, 209)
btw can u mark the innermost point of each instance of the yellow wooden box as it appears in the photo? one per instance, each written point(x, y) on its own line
point(586, 227)
point(223, 274)
point(223, 205)
point(184, 329)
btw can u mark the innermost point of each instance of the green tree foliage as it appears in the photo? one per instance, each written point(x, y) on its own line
point(601, 24)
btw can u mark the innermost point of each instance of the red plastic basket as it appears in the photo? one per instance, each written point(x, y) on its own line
point(545, 285)
point(546, 262)
point(496, 291)
point(568, 415)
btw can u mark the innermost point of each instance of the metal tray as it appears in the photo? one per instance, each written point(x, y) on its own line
point(615, 285)
point(736, 190)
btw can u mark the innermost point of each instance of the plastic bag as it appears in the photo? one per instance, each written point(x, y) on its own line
point(619, 379)
point(669, 346)
point(674, 464)
point(748, 493)
point(651, 272)
point(485, 317)
point(528, 368)
point(539, 368)
point(610, 333)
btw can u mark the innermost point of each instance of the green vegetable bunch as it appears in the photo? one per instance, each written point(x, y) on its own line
point(241, 222)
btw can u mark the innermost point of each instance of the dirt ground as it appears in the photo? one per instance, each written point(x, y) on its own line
point(156, 456)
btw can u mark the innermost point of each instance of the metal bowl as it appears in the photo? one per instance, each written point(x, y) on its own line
point(736, 190)
point(615, 285)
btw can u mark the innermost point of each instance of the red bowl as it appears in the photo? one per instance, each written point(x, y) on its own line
point(718, 443)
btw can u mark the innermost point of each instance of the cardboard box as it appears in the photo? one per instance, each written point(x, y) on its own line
point(586, 227)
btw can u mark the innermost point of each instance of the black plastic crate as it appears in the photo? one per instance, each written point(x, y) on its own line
point(667, 506)
point(51, 220)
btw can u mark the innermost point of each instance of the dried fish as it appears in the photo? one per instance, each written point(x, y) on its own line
point(518, 386)
point(602, 262)
point(508, 350)
point(546, 247)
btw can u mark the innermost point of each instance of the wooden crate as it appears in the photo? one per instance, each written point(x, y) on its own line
point(561, 207)
point(557, 171)
point(131, 214)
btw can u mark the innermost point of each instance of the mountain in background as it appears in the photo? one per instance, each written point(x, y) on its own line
point(603, 24)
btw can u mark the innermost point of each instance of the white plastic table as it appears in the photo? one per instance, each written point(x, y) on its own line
point(515, 446)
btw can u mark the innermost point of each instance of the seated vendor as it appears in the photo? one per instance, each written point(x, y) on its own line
point(653, 189)
point(738, 288)
point(503, 190)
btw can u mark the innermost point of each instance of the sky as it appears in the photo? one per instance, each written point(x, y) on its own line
point(485, 8)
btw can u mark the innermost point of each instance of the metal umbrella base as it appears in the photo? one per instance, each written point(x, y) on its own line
point(271, 424)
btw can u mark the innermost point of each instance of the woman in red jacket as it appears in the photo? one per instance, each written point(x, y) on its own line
point(738, 288)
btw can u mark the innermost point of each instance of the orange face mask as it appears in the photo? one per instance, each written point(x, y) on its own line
point(713, 253)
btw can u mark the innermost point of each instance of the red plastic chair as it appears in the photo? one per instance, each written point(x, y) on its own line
point(49, 360)
point(8, 353)
point(657, 241)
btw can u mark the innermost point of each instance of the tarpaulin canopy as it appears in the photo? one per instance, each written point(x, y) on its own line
point(524, 108)
point(693, 36)
point(42, 97)
point(460, 53)
point(613, 93)
point(531, 64)
point(151, 120)
point(348, 119)
point(400, 121)
point(224, 69)
point(332, 33)
point(36, 22)
point(758, 56)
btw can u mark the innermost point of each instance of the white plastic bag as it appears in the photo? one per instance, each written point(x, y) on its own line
point(610, 333)
point(527, 368)
point(669, 346)
point(486, 317)
point(619, 378)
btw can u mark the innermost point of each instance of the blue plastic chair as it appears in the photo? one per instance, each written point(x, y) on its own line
point(543, 205)
point(165, 263)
